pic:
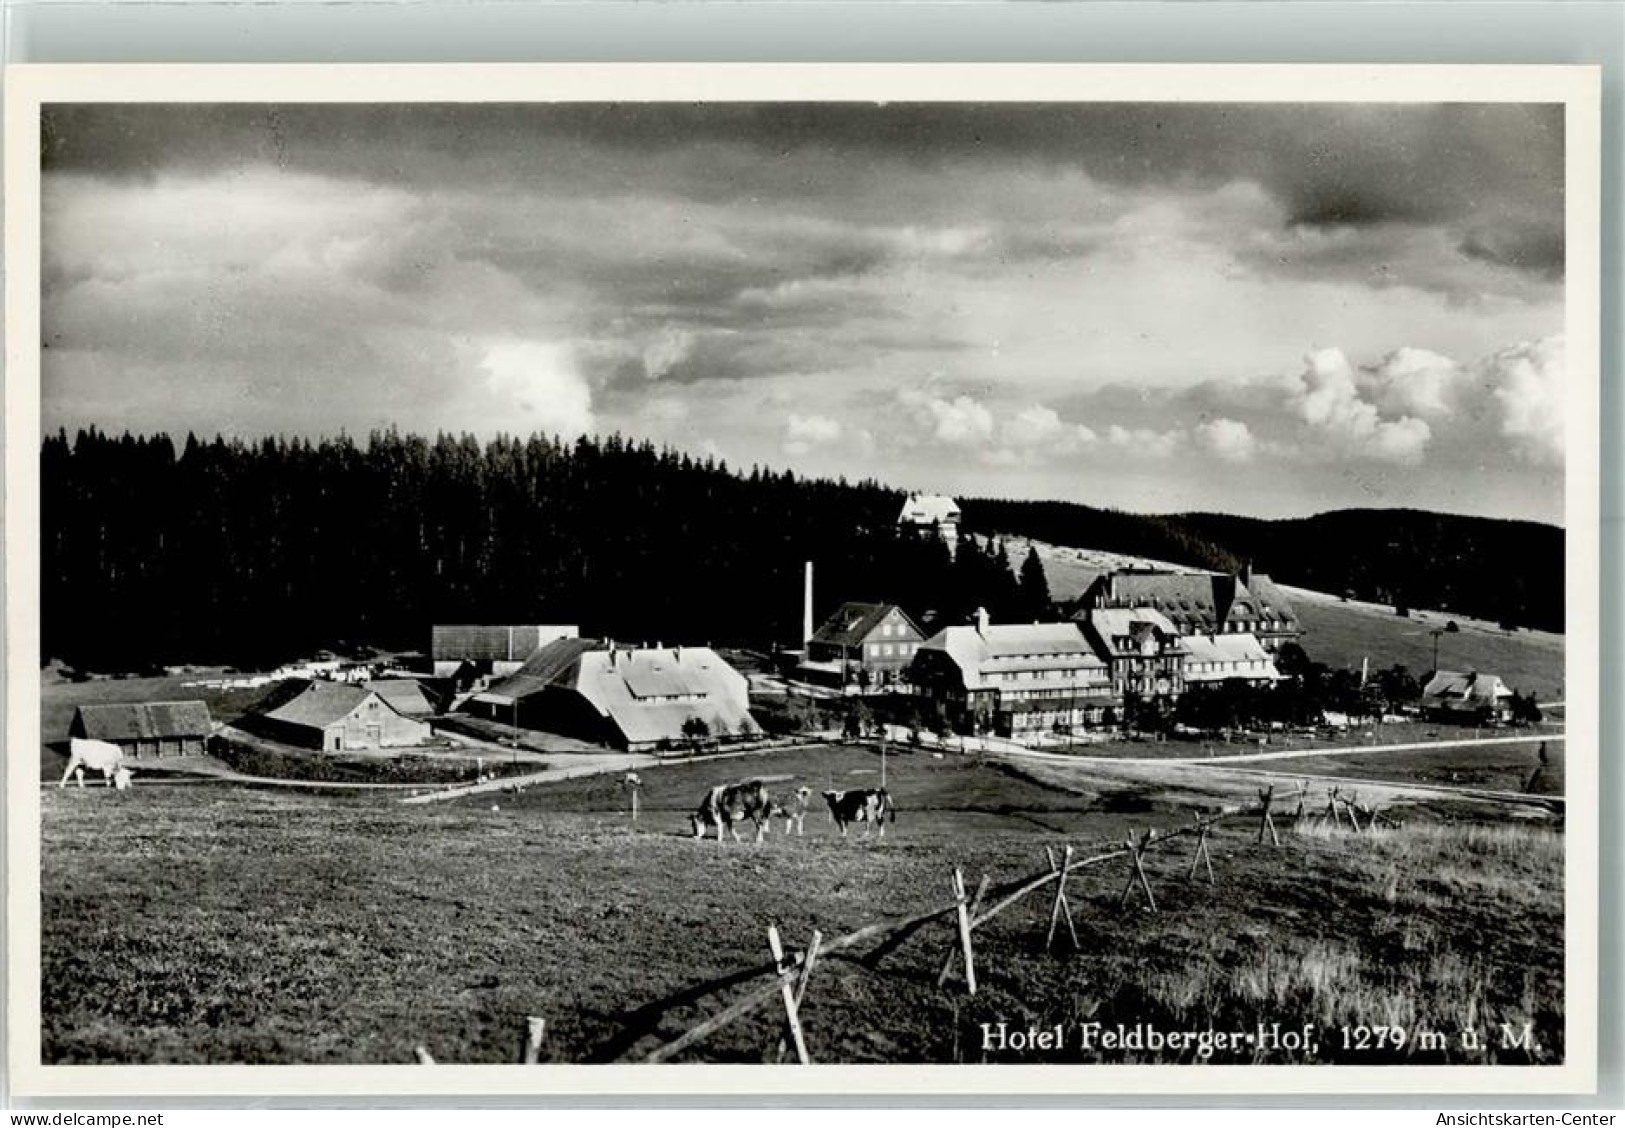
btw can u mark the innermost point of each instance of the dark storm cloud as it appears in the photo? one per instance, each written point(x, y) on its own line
point(1327, 166)
point(1535, 248)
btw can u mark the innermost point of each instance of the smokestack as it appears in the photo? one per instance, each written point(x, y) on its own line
point(981, 620)
point(806, 608)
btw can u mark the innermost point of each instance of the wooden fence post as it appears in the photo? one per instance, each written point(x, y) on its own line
point(1265, 822)
point(1137, 870)
point(964, 932)
point(1062, 908)
point(535, 1032)
point(1201, 855)
point(1353, 805)
point(953, 953)
point(634, 784)
point(1331, 808)
point(787, 992)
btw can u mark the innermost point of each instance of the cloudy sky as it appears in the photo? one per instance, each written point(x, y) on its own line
point(1253, 309)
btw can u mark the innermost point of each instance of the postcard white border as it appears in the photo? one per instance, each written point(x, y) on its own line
point(29, 86)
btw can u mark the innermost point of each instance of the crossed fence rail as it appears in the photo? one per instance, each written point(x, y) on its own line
point(788, 973)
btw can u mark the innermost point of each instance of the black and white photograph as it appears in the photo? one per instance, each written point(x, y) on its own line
point(696, 569)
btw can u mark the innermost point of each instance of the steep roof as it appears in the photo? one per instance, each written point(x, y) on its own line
point(852, 623)
point(1196, 602)
point(149, 720)
point(1469, 688)
point(553, 664)
point(320, 704)
point(928, 509)
point(492, 643)
point(405, 696)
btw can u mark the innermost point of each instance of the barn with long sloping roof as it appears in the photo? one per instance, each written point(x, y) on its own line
point(335, 717)
point(631, 697)
point(148, 728)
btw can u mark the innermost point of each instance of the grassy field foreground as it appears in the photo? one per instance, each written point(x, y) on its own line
point(210, 924)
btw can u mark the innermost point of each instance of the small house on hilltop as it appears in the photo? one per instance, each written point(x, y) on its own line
point(152, 728)
point(874, 640)
point(1472, 696)
point(331, 717)
point(932, 511)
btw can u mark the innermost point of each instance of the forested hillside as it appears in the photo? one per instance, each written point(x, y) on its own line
point(1504, 571)
point(245, 553)
point(225, 551)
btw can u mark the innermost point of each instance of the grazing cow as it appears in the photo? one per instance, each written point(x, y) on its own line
point(727, 805)
point(870, 806)
point(794, 810)
point(92, 755)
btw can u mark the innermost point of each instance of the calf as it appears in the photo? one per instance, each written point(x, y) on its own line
point(794, 811)
point(870, 806)
point(727, 805)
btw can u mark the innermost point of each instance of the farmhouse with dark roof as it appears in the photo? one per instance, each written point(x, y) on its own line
point(152, 728)
point(871, 641)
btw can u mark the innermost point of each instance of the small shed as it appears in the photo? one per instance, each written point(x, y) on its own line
point(148, 728)
point(1473, 695)
point(338, 718)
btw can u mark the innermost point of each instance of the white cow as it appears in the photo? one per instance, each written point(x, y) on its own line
point(92, 755)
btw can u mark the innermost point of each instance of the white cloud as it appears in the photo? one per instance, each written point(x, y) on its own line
point(1412, 381)
point(803, 432)
point(1230, 439)
point(1329, 400)
point(542, 380)
point(962, 421)
point(1142, 440)
point(1529, 382)
point(1042, 430)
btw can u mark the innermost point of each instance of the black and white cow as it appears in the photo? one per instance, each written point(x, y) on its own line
point(870, 806)
point(727, 805)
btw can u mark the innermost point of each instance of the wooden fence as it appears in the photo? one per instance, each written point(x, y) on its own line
point(785, 975)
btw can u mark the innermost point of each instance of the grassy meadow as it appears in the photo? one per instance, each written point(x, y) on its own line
point(206, 924)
